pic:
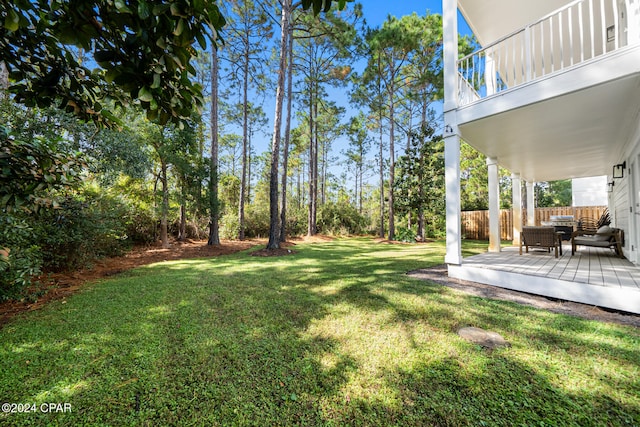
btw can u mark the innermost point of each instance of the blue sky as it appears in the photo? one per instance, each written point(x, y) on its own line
point(376, 11)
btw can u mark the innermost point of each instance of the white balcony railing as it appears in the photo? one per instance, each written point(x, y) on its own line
point(578, 32)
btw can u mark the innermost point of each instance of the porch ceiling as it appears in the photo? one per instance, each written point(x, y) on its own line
point(492, 19)
point(552, 139)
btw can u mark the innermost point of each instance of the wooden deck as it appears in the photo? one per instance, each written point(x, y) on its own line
point(592, 276)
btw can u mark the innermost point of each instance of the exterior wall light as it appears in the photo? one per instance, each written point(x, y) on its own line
point(618, 170)
point(610, 186)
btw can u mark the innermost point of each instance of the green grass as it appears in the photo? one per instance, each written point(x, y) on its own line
point(335, 334)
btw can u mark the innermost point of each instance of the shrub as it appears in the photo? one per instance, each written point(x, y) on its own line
point(229, 226)
point(340, 218)
point(84, 227)
point(140, 226)
point(20, 257)
point(256, 221)
point(405, 234)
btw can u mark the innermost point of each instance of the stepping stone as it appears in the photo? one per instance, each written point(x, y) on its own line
point(486, 339)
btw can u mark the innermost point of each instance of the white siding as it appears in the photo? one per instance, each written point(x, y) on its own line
point(620, 203)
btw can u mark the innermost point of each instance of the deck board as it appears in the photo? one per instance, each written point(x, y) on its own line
point(594, 276)
point(596, 266)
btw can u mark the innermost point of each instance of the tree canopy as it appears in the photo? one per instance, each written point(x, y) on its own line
point(139, 50)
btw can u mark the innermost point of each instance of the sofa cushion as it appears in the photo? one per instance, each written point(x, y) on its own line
point(591, 241)
point(603, 234)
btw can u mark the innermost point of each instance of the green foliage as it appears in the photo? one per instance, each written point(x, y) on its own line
point(229, 226)
point(20, 257)
point(116, 152)
point(340, 218)
point(553, 193)
point(406, 234)
point(296, 220)
point(256, 221)
point(144, 51)
point(85, 226)
point(29, 170)
point(323, 5)
point(474, 181)
point(419, 185)
point(139, 218)
point(229, 194)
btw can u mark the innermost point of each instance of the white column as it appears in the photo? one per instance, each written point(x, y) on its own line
point(452, 185)
point(490, 79)
point(450, 54)
point(516, 188)
point(494, 205)
point(531, 204)
point(451, 135)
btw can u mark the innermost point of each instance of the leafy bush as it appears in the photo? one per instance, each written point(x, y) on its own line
point(84, 227)
point(256, 221)
point(404, 234)
point(296, 221)
point(140, 226)
point(20, 257)
point(229, 226)
point(340, 218)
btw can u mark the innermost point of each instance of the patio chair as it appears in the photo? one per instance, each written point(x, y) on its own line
point(539, 237)
point(591, 226)
point(604, 237)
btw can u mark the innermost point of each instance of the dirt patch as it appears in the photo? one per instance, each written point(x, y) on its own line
point(439, 275)
point(273, 252)
point(283, 250)
point(60, 285)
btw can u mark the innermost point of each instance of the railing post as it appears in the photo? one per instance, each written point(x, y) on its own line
point(527, 54)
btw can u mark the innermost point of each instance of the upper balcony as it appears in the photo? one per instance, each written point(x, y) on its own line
point(577, 33)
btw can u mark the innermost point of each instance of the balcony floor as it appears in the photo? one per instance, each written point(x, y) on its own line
point(592, 276)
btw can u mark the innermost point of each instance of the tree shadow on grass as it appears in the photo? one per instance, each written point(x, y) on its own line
point(500, 392)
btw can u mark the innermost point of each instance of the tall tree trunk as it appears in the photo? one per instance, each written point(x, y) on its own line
point(249, 160)
point(182, 228)
point(313, 154)
point(287, 138)
point(274, 227)
point(300, 174)
point(164, 234)
point(323, 194)
point(316, 153)
point(245, 118)
point(214, 203)
point(381, 233)
point(182, 231)
point(359, 193)
point(4, 80)
point(392, 227)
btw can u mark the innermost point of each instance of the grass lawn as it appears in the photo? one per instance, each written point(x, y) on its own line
point(334, 334)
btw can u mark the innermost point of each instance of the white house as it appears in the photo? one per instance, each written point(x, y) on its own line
point(553, 93)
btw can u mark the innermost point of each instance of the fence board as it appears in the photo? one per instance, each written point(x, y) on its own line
point(475, 224)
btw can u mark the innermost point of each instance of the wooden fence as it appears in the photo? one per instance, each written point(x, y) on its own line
point(475, 224)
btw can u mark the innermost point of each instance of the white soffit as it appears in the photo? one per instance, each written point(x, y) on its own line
point(576, 135)
point(491, 20)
